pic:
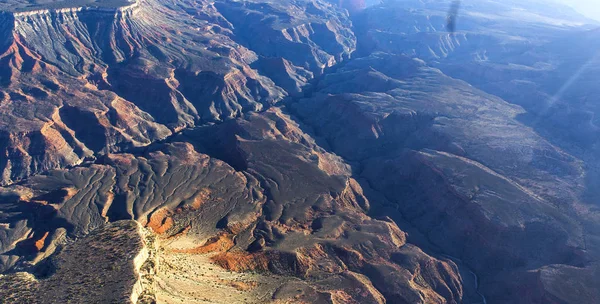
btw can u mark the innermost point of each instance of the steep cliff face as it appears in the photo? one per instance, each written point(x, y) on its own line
point(155, 133)
point(145, 70)
point(294, 212)
point(315, 210)
point(452, 159)
point(292, 36)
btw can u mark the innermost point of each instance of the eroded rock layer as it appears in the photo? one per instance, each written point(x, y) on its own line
point(309, 223)
point(116, 251)
point(105, 80)
point(297, 151)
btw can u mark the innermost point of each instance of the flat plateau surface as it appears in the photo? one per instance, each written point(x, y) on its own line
point(18, 6)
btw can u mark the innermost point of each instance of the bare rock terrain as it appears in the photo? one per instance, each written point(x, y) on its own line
point(102, 267)
point(297, 151)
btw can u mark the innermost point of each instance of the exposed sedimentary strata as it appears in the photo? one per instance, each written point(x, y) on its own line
point(21, 17)
point(200, 194)
point(390, 182)
point(308, 226)
point(303, 227)
point(176, 186)
point(292, 36)
point(135, 70)
point(24, 7)
point(434, 164)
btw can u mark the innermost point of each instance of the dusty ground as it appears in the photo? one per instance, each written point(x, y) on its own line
point(194, 278)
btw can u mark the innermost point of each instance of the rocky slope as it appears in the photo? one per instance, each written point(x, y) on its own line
point(309, 225)
point(116, 250)
point(297, 151)
point(133, 72)
point(432, 155)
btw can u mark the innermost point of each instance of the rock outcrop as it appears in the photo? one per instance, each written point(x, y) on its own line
point(297, 151)
point(101, 267)
point(452, 159)
point(296, 213)
point(133, 71)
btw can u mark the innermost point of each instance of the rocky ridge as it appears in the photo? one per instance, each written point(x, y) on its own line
point(93, 67)
point(381, 180)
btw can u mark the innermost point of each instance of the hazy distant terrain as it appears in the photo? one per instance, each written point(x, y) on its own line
point(299, 151)
point(24, 5)
point(588, 8)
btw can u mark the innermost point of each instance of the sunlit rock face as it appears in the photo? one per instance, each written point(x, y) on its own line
point(298, 151)
point(310, 224)
point(143, 71)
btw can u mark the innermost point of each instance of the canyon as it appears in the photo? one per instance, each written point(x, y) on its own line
point(298, 151)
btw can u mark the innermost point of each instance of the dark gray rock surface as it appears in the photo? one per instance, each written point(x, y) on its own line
point(360, 154)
